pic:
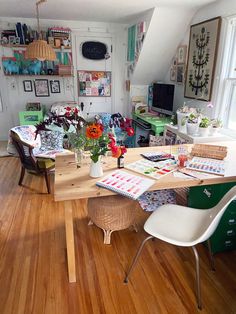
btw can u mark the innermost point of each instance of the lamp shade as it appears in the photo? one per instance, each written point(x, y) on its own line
point(40, 50)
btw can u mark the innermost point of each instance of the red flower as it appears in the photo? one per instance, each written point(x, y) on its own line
point(68, 108)
point(116, 151)
point(123, 150)
point(130, 131)
point(76, 111)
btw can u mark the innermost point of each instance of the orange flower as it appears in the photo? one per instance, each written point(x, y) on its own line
point(94, 131)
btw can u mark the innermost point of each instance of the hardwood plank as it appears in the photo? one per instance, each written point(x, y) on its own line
point(33, 263)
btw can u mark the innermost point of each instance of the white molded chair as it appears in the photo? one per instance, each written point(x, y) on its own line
point(185, 226)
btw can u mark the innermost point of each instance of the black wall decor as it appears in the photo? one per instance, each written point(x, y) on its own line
point(94, 50)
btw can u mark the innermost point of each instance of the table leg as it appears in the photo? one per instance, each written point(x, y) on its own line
point(70, 243)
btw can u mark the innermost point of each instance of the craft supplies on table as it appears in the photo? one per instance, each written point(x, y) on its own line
point(208, 165)
point(157, 156)
point(126, 184)
point(155, 170)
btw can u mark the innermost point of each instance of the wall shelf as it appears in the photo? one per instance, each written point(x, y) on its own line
point(24, 46)
point(59, 75)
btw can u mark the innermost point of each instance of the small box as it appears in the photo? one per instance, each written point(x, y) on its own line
point(30, 117)
point(64, 69)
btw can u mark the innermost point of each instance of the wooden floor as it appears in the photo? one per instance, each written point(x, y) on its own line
point(33, 273)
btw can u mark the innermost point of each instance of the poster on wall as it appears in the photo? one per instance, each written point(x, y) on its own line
point(203, 45)
point(94, 83)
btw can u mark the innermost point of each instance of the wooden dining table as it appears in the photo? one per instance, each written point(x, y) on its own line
point(73, 183)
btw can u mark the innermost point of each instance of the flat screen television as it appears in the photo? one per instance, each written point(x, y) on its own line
point(163, 97)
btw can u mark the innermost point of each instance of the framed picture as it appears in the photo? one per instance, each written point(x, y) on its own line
point(203, 46)
point(41, 88)
point(28, 87)
point(55, 87)
point(173, 73)
point(12, 40)
point(181, 54)
point(180, 73)
point(33, 106)
point(94, 83)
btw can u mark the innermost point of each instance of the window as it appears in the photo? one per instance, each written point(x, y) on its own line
point(226, 95)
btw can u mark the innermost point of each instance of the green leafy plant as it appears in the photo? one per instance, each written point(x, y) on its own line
point(205, 122)
point(192, 118)
point(216, 123)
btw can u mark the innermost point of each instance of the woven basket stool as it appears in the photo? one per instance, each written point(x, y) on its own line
point(111, 213)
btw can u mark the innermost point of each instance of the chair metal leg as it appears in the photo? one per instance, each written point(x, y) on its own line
point(21, 175)
point(47, 179)
point(199, 299)
point(136, 258)
point(212, 262)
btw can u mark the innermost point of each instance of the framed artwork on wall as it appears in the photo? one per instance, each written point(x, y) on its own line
point(94, 83)
point(55, 87)
point(181, 54)
point(28, 87)
point(41, 88)
point(180, 69)
point(173, 73)
point(203, 46)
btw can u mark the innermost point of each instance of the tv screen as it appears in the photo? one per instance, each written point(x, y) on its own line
point(163, 96)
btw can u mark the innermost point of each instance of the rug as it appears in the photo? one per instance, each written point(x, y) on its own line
point(3, 149)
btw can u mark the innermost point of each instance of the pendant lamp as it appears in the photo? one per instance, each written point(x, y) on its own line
point(39, 49)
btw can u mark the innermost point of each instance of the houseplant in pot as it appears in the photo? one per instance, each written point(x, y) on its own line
point(192, 123)
point(216, 124)
point(182, 114)
point(204, 126)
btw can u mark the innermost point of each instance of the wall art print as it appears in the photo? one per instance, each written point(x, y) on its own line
point(203, 45)
point(94, 83)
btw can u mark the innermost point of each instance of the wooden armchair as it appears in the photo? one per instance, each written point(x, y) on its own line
point(30, 162)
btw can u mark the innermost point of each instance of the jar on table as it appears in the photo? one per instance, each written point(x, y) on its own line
point(182, 157)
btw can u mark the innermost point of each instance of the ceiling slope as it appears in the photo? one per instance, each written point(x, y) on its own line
point(166, 30)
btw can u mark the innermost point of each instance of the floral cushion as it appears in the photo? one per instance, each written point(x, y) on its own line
point(51, 140)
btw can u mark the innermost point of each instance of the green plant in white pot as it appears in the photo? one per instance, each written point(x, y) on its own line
point(182, 115)
point(192, 123)
point(216, 125)
point(204, 126)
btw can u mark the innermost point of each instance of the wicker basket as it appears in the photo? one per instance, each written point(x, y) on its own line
point(111, 213)
point(209, 151)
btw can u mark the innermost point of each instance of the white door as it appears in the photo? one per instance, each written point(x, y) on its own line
point(98, 104)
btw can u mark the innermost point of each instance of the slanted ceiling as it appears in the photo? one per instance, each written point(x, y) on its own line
point(167, 29)
point(116, 11)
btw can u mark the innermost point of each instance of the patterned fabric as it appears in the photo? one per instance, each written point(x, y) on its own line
point(51, 140)
point(27, 134)
point(150, 201)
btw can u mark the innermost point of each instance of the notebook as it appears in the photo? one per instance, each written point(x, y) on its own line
point(155, 170)
point(126, 184)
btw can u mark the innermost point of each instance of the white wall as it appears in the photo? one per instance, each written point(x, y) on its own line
point(14, 99)
point(222, 8)
point(165, 31)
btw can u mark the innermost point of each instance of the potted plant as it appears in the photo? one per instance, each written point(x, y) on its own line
point(182, 114)
point(216, 124)
point(192, 123)
point(204, 126)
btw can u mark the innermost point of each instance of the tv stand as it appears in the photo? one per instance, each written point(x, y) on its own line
point(156, 123)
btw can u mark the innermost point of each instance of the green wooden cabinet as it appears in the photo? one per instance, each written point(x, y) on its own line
point(224, 238)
